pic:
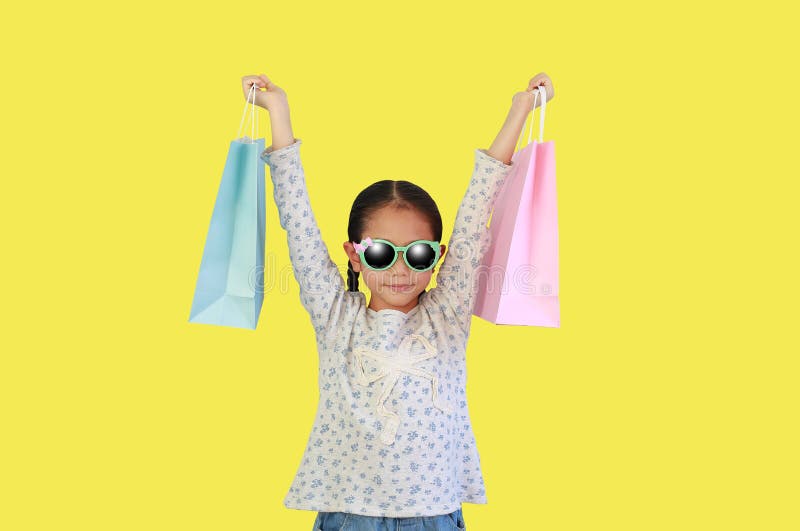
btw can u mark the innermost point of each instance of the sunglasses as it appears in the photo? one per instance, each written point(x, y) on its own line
point(379, 255)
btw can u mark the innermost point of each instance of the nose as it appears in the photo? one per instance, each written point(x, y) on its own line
point(400, 265)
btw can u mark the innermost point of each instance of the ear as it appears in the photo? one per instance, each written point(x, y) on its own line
point(442, 249)
point(352, 256)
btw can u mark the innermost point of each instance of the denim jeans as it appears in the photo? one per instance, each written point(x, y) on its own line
point(338, 521)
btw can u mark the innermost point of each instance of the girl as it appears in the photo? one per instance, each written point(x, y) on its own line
point(392, 445)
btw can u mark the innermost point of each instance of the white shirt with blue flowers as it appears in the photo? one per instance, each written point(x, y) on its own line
point(392, 434)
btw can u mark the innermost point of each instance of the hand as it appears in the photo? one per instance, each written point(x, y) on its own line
point(524, 100)
point(270, 98)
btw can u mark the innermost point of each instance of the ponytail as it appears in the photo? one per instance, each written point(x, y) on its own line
point(352, 277)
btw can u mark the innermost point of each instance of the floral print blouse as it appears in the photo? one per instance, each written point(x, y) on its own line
point(392, 434)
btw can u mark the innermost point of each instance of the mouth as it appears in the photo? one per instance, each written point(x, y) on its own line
point(400, 287)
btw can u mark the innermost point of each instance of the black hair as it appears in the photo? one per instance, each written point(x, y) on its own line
point(398, 194)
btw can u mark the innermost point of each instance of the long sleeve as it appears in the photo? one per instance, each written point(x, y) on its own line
point(456, 284)
point(321, 285)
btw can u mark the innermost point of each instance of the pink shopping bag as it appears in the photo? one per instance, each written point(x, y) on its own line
point(517, 282)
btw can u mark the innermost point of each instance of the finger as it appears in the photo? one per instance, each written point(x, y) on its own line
point(247, 85)
point(535, 79)
point(249, 81)
point(548, 88)
point(537, 83)
point(540, 79)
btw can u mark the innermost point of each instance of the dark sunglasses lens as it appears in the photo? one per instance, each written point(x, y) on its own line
point(379, 255)
point(420, 256)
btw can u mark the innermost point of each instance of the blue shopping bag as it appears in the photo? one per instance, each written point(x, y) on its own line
point(229, 289)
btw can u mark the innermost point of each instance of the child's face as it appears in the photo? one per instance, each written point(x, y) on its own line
point(401, 227)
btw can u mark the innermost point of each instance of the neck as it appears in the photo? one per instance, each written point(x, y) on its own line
point(378, 304)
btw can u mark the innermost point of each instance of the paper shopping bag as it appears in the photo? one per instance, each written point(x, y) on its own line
point(229, 289)
point(517, 281)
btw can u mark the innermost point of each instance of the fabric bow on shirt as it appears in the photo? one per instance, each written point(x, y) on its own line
point(392, 366)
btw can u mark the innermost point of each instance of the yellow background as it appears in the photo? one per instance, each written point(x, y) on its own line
point(668, 398)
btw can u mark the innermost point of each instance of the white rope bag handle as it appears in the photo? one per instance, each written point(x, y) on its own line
point(254, 118)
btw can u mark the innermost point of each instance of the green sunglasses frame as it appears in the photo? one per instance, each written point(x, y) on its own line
point(436, 246)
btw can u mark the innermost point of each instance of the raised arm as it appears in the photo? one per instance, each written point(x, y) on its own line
point(321, 285)
point(456, 284)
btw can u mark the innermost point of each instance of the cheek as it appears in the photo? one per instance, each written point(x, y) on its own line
point(422, 279)
point(371, 278)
